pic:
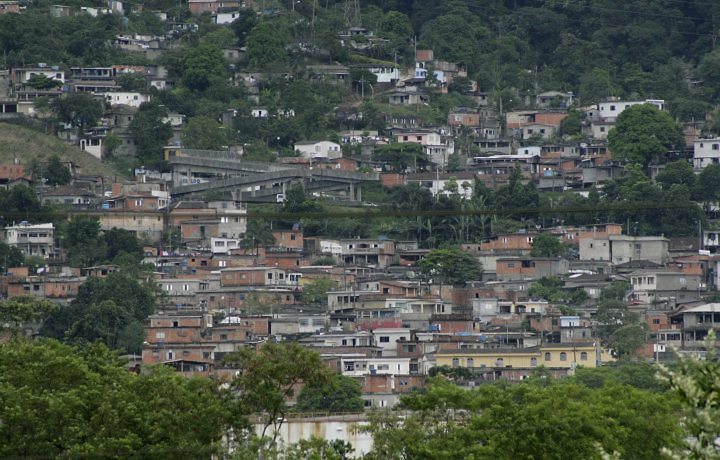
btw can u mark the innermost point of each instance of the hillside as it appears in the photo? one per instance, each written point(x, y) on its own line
point(25, 144)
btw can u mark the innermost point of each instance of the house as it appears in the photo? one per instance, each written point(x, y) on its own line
point(622, 248)
point(446, 183)
point(662, 285)
point(368, 252)
point(131, 99)
point(696, 322)
point(197, 7)
point(328, 72)
point(610, 110)
point(7, 6)
point(318, 149)
point(224, 18)
point(22, 75)
point(32, 240)
point(405, 96)
point(544, 131)
point(518, 363)
point(518, 268)
point(463, 116)
point(70, 196)
point(385, 73)
point(552, 99)
point(706, 152)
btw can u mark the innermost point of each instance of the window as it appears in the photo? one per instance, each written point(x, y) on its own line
point(384, 339)
point(456, 362)
point(716, 146)
point(602, 129)
point(583, 356)
point(176, 324)
point(533, 362)
point(548, 356)
point(563, 356)
point(500, 362)
point(612, 108)
point(470, 362)
point(159, 335)
point(656, 320)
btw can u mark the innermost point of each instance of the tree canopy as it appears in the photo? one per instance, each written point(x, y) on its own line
point(643, 133)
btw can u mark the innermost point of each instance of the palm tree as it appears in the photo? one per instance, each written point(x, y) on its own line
point(258, 233)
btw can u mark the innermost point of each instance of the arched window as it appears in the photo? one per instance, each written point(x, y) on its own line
point(583, 356)
point(470, 362)
point(548, 356)
point(533, 362)
point(456, 362)
point(563, 356)
point(499, 362)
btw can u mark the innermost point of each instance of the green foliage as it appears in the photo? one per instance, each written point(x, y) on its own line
point(450, 266)
point(453, 373)
point(243, 25)
point(266, 44)
point(42, 83)
point(528, 420)
point(64, 402)
point(150, 133)
point(10, 256)
point(326, 260)
point(80, 110)
point(547, 245)
point(258, 234)
point(695, 380)
point(642, 134)
point(707, 187)
point(402, 157)
point(19, 312)
point(340, 394)
point(205, 133)
point(83, 243)
point(107, 310)
point(315, 293)
point(267, 378)
point(131, 81)
point(678, 172)
point(548, 288)
point(57, 173)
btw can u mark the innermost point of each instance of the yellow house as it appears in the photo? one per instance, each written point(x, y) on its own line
point(560, 356)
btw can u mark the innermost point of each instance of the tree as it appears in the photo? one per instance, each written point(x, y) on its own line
point(205, 133)
point(21, 312)
point(133, 81)
point(150, 133)
point(82, 241)
point(243, 25)
point(10, 256)
point(267, 377)
point(535, 419)
point(112, 143)
point(66, 402)
point(547, 245)
point(315, 293)
point(258, 233)
point(450, 266)
point(57, 173)
point(266, 44)
point(611, 315)
point(707, 187)
point(695, 379)
point(107, 310)
point(341, 394)
point(677, 172)
point(571, 125)
point(77, 109)
point(121, 243)
point(402, 156)
point(42, 82)
point(642, 134)
point(200, 65)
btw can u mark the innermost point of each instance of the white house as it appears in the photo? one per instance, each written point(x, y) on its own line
point(706, 152)
point(609, 110)
point(224, 245)
point(384, 73)
point(23, 75)
point(538, 129)
point(387, 338)
point(422, 138)
point(453, 183)
point(361, 366)
point(226, 18)
point(131, 99)
point(32, 240)
point(318, 149)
